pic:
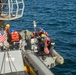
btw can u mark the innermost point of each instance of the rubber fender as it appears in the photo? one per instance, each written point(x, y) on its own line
point(59, 60)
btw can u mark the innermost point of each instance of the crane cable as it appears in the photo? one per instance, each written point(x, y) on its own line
point(33, 15)
point(33, 5)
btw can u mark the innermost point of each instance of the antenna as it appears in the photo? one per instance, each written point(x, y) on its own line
point(34, 23)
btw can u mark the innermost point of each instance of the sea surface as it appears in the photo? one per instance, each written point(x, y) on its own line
point(58, 18)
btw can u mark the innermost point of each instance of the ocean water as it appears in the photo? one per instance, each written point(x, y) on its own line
point(58, 18)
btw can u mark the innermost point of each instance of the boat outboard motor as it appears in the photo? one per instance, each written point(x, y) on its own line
point(34, 44)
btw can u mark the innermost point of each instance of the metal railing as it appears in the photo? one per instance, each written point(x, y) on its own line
point(12, 9)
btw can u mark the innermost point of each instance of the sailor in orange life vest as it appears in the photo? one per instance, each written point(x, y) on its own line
point(47, 43)
point(46, 40)
point(14, 36)
point(14, 39)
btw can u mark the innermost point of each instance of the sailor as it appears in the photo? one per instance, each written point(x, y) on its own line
point(14, 38)
point(41, 45)
point(47, 42)
point(42, 31)
point(34, 34)
point(7, 28)
point(14, 35)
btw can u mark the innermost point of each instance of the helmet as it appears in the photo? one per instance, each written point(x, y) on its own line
point(43, 31)
point(11, 30)
point(42, 35)
point(7, 25)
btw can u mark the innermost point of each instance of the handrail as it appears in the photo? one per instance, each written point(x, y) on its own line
point(13, 9)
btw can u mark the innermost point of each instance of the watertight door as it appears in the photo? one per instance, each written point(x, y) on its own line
point(11, 9)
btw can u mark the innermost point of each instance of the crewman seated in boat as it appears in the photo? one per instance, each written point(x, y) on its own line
point(41, 45)
point(47, 42)
point(40, 31)
point(14, 38)
point(34, 34)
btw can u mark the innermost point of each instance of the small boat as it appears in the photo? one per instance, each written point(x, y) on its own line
point(51, 60)
point(25, 60)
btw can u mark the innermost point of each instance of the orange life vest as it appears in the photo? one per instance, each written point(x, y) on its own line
point(47, 40)
point(15, 36)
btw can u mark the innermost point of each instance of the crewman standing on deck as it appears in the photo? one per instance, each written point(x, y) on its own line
point(7, 28)
point(14, 36)
point(47, 42)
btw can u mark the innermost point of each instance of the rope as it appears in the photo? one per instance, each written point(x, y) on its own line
point(33, 9)
point(33, 15)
